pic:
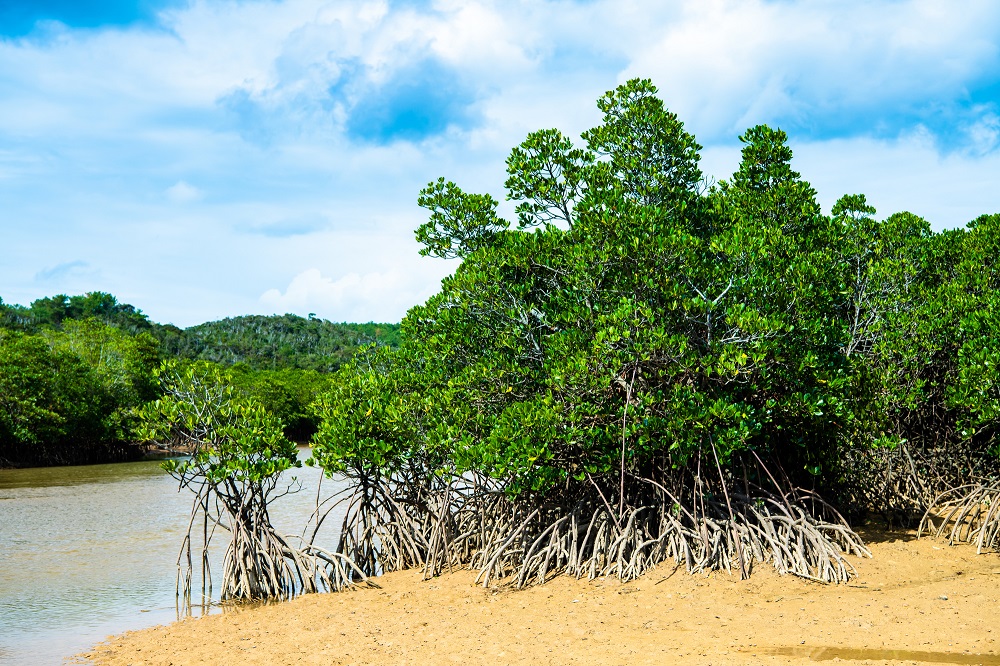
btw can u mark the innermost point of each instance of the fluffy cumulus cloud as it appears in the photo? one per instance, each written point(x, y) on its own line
point(204, 158)
point(830, 69)
point(351, 297)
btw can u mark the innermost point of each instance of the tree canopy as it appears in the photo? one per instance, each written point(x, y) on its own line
point(75, 369)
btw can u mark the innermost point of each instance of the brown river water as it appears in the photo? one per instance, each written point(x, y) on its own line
point(90, 551)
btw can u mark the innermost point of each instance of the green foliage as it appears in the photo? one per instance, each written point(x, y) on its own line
point(367, 419)
point(648, 155)
point(123, 364)
point(276, 342)
point(637, 322)
point(69, 393)
point(53, 406)
point(639, 318)
point(923, 328)
point(51, 312)
point(233, 438)
point(105, 353)
point(261, 342)
point(460, 223)
point(546, 176)
point(286, 393)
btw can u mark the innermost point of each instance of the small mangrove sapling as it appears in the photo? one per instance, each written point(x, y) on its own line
point(237, 454)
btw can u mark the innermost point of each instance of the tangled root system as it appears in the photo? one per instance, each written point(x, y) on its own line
point(896, 482)
point(259, 563)
point(905, 482)
point(967, 514)
point(470, 521)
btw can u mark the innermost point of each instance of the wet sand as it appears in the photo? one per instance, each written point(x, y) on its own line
point(917, 601)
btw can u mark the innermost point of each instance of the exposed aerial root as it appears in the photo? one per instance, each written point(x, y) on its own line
point(468, 521)
point(259, 563)
point(904, 482)
point(894, 482)
point(588, 541)
point(379, 533)
point(967, 514)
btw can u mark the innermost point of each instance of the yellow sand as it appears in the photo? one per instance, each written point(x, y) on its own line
point(937, 602)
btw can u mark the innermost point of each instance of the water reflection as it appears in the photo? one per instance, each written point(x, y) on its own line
point(39, 478)
point(90, 551)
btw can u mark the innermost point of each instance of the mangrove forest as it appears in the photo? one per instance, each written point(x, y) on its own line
point(641, 366)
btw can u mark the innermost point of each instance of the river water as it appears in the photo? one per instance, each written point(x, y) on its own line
point(90, 551)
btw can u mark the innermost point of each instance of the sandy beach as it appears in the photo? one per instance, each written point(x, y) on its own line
point(915, 601)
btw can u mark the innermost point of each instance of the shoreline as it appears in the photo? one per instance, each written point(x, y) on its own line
point(100, 453)
point(916, 600)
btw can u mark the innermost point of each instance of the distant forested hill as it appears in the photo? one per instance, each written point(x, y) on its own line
point(73, 369)
point(260, 342)
point(51, 312)
point(279, 341)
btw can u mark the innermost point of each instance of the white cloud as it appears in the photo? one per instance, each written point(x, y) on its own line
point(729, 64)
point(247, 99)
point(906, 174)
point(383, 297)
point(182, 192)
point(984, 132)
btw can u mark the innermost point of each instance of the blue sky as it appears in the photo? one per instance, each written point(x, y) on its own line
point(202, 159)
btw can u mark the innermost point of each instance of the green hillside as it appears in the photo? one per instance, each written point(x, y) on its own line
point(74, 368)
point(274, 342)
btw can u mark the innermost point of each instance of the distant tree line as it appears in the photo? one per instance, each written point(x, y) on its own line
point(73, 370)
